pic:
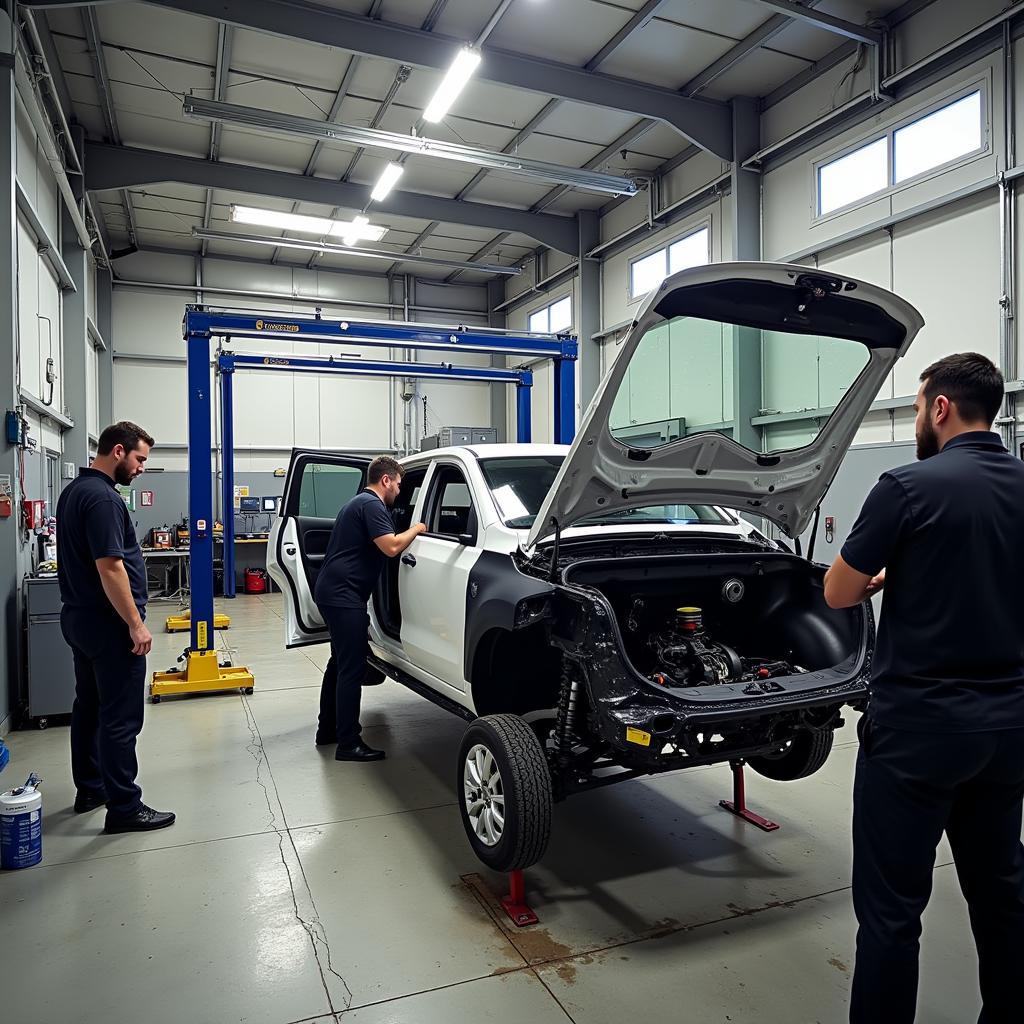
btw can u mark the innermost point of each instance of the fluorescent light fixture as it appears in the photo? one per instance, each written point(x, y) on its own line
point(454, 81)
point(386, 182)
point(330, 132)
point(359, 229)
point(213, 235)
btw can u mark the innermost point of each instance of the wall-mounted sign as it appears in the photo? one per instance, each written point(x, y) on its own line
point(147, 499)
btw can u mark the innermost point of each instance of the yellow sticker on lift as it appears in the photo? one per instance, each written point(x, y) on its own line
point(638, 736)
point(201, 640)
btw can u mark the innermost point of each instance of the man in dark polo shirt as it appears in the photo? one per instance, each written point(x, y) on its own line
point(362, 540)
point(103, 590)
point(942, 741)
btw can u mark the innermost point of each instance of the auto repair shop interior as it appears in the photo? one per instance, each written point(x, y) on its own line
point(429, 229)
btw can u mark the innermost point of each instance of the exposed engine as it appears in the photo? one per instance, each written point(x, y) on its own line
point(684, 655)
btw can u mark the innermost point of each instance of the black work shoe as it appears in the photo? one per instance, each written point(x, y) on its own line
point(324, 739)
point(360, 752)
point(89, 801)
point(145, 819)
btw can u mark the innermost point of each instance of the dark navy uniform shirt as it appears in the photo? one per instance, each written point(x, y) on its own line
point(949, 532)
point(353, 562)
point(92, 523)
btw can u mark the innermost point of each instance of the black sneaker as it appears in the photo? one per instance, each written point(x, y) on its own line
point(85, 802)
point(145, 819)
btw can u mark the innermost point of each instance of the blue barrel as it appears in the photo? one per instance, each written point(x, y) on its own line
point(21, 826)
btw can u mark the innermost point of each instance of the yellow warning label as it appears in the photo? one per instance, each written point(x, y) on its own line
point(268, 325)
point(638, 736)
point(201, 641)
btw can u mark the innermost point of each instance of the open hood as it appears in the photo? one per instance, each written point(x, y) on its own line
point(752, 305)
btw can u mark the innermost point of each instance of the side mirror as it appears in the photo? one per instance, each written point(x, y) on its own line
point(467, 539)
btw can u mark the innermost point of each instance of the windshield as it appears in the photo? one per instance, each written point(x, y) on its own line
point(520, 484)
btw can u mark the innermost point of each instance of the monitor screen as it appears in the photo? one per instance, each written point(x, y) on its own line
point(270, 504)
point(249, 504)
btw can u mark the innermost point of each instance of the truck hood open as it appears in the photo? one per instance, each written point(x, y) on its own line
point(602, 473)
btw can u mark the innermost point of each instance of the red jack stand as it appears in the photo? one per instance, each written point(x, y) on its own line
point(738, 804)
point(515, 902)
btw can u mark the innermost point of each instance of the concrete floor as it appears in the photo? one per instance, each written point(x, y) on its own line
point(294, 888)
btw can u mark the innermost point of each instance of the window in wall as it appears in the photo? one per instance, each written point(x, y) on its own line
point(647, 272)
point(855, 176)
point(939, 137)
point(944, 135)
point(555, 317)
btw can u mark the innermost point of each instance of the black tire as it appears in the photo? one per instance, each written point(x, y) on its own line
point(155, 699)
point(525, 782)
point(805, 754)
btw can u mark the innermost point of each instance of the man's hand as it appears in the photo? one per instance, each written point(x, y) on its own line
point(142, 639)
point(875, 585)
point(420, 528)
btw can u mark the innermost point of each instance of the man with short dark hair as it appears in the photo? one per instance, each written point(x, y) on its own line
point(942, 740)
point(362, 540)
point(103, 589)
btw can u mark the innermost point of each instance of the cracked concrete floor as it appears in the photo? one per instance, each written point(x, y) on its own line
point(294, 888)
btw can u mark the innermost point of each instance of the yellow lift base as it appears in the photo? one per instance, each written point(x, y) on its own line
point(203, 674)
point(183, 623)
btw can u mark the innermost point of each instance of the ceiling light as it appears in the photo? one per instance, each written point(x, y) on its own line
point(386, 182)
point(454, 81)
point(330, 132)
point(213, 235)
point(358, 229)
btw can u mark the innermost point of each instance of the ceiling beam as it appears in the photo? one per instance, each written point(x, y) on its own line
point(828, 22)
point(225, 39)
point(121, 167)
point(706, 124)
point(90, 21)
point(761, 36)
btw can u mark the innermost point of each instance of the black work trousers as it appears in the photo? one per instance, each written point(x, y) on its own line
point(909, 788)
point(341, 689)
point(106, 718)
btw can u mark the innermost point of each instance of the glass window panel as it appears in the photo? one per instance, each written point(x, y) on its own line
point(539, 321)
point(938, 138)
point(828, 367)
point(691, 251)
point(325, 489)
point(647, 273)
point(560, 315)
point(861, 173)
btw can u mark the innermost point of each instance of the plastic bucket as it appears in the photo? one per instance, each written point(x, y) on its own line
point(255, 581)
point(21, 827)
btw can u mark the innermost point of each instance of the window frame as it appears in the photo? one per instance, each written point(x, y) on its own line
point(433, 499)
point(978, 84)
point(696, 229)
point(546, 308)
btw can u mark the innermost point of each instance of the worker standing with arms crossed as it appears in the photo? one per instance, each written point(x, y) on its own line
point(103, 589)
point(942, 741)
point(362, 540)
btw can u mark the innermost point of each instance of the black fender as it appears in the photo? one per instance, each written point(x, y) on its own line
point(494, 600)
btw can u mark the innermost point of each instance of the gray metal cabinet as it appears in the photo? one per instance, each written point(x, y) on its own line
point(51, 672)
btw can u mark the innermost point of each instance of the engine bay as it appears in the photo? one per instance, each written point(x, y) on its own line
point(683, 653)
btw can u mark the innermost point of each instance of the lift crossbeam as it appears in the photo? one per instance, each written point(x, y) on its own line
point(204, 323)
point(228, 362)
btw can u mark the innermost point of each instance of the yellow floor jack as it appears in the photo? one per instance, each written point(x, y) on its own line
point(182, 622)
point(203, 673)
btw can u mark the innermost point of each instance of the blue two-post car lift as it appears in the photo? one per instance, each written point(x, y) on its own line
point(201, 324)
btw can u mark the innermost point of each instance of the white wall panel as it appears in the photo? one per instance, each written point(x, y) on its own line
point(154, 396)
point(947, 265)
point(28, 309)
point(92, 390)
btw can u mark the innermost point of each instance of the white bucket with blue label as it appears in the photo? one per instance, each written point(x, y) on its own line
point(21, 825)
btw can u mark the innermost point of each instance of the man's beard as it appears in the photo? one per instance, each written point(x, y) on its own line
point(122, 474)
point(927, 442)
